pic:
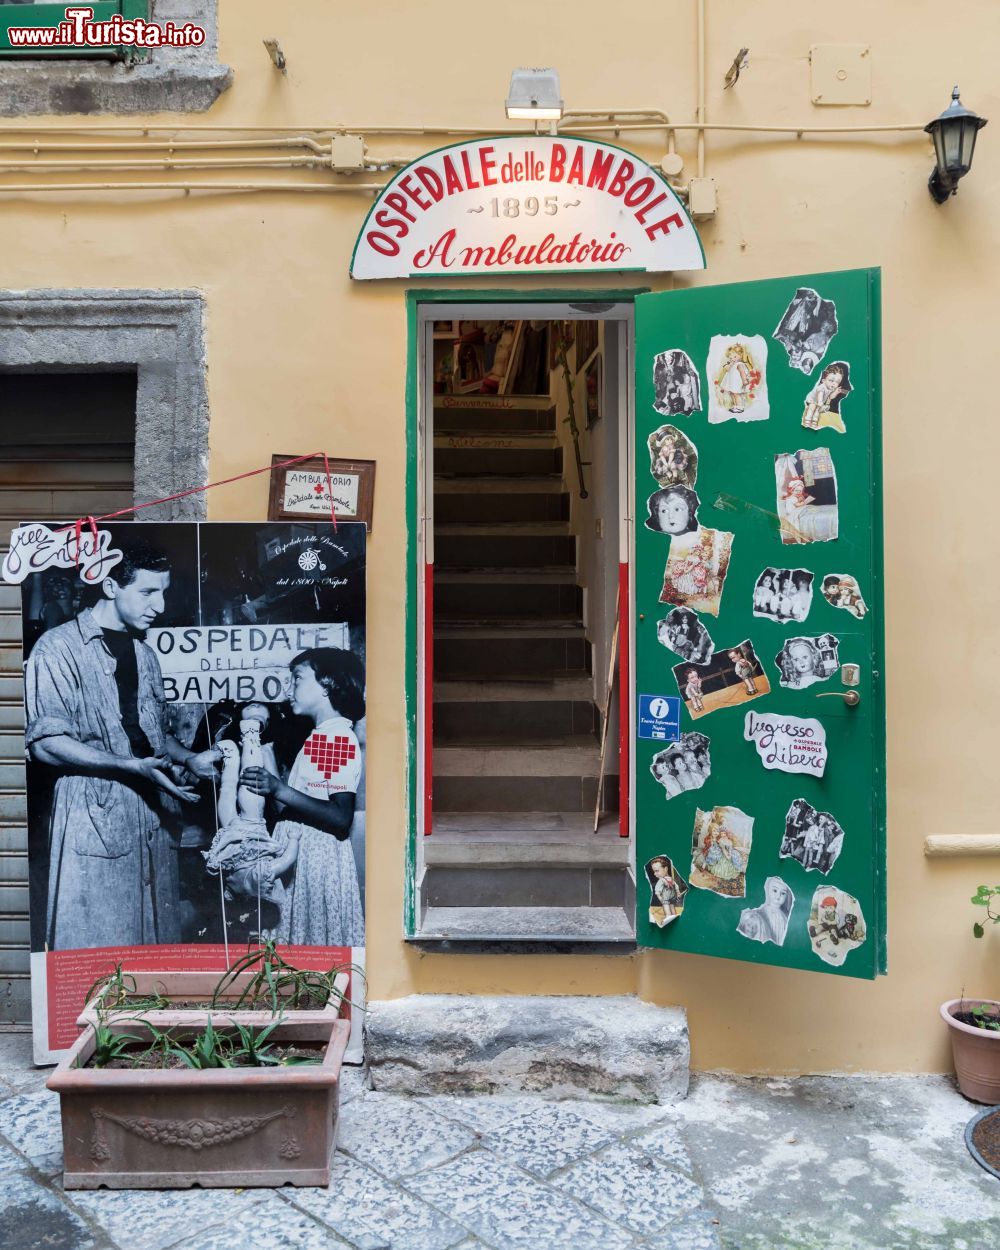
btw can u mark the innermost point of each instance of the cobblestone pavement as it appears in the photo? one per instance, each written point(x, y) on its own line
point(842, 1163)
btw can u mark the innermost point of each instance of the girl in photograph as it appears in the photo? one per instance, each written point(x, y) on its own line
point(673, 510)
point(744, 670)
point(323, 905)
point(692, 691)
point(663, 773)
point(734, 382)
point(800, 663)
point(823, 401)
point(762, 594)
point(769, 921)
point(696, 570)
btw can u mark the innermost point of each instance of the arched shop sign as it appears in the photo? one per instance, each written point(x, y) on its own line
point(527, 204)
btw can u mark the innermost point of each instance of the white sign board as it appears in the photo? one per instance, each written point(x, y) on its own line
point(306, 492)
point(791, 744)
point(529, 204)
point(245, 663)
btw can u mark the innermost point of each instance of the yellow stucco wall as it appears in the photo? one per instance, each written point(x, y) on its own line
point(299, 358)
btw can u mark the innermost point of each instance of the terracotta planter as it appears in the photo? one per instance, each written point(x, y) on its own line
point(976, 1052)
point(197, 986)
point(234, 1127)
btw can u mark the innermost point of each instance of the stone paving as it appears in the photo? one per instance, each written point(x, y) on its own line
point(842, 1163)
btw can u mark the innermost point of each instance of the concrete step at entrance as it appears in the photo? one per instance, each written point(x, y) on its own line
point(503, 546)
point(469, 456)
point(492, 419)
point(556, 777)
point(525, 711)
point(527, 924)
point(463, 653)
point(526, 884)
point(507, 839)
point(477, 507)
point(497, 595)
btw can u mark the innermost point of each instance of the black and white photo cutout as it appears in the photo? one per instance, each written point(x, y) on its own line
point(783, 595)
point(673, 458)
point(673, 510)
point(676, 385)
point(667, 890)
point(684, 765)
point(682, 632)
point(805, 661)
point(814, 839)
point(768, 922)
point(806, 328)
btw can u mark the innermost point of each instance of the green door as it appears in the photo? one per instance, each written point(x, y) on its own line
point(759, 676)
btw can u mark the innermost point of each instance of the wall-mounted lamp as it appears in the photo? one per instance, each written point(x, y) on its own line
point(954, 134)
point(534, 96)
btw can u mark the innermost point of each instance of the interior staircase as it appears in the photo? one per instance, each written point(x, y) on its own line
point(512, 855)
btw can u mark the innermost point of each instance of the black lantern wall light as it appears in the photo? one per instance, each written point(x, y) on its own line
point(954, 134)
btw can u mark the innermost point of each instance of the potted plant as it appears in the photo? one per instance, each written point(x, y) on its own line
point(253, 991)
point(974, 1024)
point(234, 1084)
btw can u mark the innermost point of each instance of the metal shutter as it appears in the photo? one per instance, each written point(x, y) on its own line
point(66, 450)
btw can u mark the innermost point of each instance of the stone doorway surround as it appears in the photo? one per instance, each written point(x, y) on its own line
point(158, 333)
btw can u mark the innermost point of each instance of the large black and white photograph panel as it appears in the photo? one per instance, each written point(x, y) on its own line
point(195, 727)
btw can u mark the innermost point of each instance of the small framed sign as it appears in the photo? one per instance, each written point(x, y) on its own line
point(302, 491)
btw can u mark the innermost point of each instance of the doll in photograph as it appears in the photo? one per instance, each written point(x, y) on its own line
point(800, 663)
point(842, 591)
point(663, 772)
point(823, 401)
point(720, 860)
point(673, 510)
point(762, 594)
point(769, 921)
point(676, 384)
point(681, 631)
point(734, 382)
point(250, 860)
point(670, 462)
point(667, 898)
point(836, 925)
point(692, 691)
point(806, 328)
point(744, 670)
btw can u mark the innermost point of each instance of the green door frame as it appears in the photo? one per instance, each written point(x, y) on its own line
point(414, 298)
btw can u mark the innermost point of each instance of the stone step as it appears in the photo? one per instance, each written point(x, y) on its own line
point(492, 419)
point(503, 546)
point(521, 720)
point(528, 924)
point(555, 1046)
point(461, 653)
point(511, 839)
point(495, 595)
point(476, 507)
point(528, 884)
point(467, 456)
point(560, 776)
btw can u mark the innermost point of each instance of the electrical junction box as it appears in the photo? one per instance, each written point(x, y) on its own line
point(347, 153)
point(840, 73)
point(701, 197)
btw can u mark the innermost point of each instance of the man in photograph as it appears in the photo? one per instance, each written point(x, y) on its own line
point(95, 715)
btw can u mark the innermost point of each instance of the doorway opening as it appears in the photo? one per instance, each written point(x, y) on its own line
point(524, 536)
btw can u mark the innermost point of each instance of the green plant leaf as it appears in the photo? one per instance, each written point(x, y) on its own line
point(978, 929)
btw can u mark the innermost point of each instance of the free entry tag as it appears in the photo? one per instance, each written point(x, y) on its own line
point(659, 717)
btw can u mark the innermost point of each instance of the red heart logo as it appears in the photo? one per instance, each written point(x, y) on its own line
point(329, 755)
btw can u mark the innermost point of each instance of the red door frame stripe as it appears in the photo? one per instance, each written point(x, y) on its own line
point(428, 698)
point(624, 699)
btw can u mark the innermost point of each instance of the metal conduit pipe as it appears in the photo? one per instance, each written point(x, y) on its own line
point(264, 162)
point(321, 149)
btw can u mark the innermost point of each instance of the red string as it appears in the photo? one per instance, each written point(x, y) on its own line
point(91, 521)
